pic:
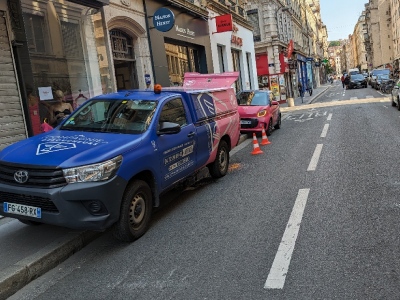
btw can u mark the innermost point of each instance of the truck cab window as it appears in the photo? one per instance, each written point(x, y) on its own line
point(174, 112)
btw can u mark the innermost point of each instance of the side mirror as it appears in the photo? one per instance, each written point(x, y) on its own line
point(396, 87)
point(168, 128)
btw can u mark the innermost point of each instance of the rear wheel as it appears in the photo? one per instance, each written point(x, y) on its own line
point(219, 167)
point(393, 103)
point(398, 103)
point(135, 212)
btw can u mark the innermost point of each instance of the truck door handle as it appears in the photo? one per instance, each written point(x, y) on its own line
point(191, 134)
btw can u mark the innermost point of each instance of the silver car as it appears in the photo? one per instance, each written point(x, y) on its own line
point(396, 95)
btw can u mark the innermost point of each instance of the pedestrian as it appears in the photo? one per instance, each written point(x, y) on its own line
point(301, 91)
point(347, 81)
point(342, 79)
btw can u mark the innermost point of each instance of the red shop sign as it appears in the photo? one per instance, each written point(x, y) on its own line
point(224, 23)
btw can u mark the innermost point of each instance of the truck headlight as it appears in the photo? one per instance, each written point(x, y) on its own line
point(96, 172)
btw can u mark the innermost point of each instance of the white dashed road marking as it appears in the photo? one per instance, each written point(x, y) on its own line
point(314, 159)
point(325, 130)
point(277, 275)
point(329, 117)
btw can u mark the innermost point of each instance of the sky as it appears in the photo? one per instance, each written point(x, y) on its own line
point(340, 16)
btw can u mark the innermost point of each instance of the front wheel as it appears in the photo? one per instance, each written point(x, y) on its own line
point(270, 128)
point(219, 167)
point(279, 122)
point(135, 212)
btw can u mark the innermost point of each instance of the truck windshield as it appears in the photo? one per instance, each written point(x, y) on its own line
point(117, 116)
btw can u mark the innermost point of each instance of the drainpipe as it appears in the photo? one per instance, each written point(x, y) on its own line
point(149, 39)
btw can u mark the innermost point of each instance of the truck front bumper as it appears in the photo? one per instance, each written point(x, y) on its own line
point(84, 206)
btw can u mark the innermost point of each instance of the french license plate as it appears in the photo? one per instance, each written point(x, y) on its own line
point(23, 210)
point(245, 122)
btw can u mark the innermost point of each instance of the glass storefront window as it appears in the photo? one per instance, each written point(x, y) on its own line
point(67, 50)
point(180, 59)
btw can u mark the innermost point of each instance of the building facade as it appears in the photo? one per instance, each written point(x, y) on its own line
point(49, 46)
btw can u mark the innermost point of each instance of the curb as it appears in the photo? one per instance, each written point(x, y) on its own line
point(319, 95)
point(15, 277)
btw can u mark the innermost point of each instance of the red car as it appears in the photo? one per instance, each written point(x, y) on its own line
point(258, 110)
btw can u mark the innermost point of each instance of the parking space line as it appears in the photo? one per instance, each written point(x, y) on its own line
point(329, 117)
point(277, 275)
point(325, 130)
point(314, 159)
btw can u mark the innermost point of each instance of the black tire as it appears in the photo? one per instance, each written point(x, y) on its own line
point(135, 214)
point(278, 124)
point(270, 128)
point(219, 167)
point(29, 222)
point(398, 103)
point(310, 92)
point(393, 103)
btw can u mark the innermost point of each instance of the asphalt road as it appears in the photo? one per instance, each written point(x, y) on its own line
point(316, 216)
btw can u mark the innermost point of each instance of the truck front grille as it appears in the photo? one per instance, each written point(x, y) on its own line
point(38, 176)
point(44, 203)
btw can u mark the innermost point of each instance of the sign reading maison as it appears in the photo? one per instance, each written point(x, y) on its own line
point(163, 19)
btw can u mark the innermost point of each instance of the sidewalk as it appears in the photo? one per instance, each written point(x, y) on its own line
point(307, 98)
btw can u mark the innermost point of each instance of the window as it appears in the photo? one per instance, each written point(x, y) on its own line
point(36, 32)
point(221, 60)
point(71, 40)
point(252, 15)
point(174, 112)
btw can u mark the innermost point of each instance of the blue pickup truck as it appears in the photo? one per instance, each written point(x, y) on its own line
point(108, 162)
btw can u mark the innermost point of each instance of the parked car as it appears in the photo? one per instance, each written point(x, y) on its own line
point(396, 95)
point(380, 79)
point(374, 73)
point(109, 161)
point(258, 111)
point(357, 81)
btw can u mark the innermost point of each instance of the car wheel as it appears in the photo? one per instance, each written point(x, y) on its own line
point(219, 167)
point(29, 222)
point(136, 208)
point(279, 122)
point(393, 103)
point(398, 103)
point(270, 127)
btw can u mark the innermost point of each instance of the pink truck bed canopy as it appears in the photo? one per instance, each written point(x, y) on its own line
point(194, 80)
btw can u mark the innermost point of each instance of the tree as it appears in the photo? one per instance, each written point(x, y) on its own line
point(334, 43)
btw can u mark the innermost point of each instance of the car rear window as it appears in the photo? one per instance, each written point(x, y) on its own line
point(357, 76)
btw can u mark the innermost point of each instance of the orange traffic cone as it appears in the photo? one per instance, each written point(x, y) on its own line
point(256, 147)
point(264, 140)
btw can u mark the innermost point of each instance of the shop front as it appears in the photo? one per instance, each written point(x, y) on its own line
point(233, 49)
point(277, 83)
point(302, 70)
point(179, 41)
point(59, 56)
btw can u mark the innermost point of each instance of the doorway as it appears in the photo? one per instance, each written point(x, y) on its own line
point(124, 60)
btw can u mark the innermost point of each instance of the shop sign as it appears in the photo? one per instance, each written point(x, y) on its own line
point(235, 39)
point(163, 19)
point(224, 23)
point(290, 48)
